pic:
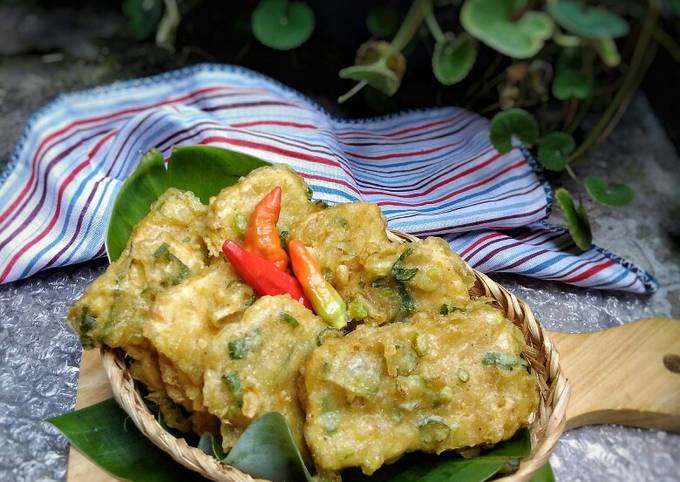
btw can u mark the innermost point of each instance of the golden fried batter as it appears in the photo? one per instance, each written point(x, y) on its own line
point(164, 248)
point(433, 273)
point(253, 364)
point(239, 200)
point(184, 320)
point(426, 368)
point(434, 384)
point(342, 235)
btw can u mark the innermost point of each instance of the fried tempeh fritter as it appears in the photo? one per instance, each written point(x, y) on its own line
point(253, 364)
point(184, 320)
point(164, 248)
point(433, 384)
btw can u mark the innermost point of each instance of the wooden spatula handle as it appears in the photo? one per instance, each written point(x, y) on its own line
point(628, 375)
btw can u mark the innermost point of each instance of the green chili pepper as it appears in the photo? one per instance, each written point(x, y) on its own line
point(327, 302)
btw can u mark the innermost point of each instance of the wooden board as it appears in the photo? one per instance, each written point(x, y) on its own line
point(620, 375)
point(93, 387)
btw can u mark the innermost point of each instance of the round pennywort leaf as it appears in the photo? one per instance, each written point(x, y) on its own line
point(281, 24)
point(587, 21)
point(383, 22)
point(378, 65)
point(576, 219)
point(376, 75)
point(453, 58)
point(492, 22)
point(509, 123)
point(553, 150)
point(571, 83)
point(616, 196)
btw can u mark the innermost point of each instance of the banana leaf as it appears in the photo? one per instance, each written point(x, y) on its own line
point(203, 170)
point(105, 435)
point(266, 449)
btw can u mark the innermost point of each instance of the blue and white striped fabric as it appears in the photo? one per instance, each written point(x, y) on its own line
point(432, 172)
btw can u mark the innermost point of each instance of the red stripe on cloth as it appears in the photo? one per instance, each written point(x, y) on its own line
point(462, 207)
point(395, 155)
point(440, 183)
point(68, 127)
point(589, 272)
point(43, 194)
point(57, 210)
point(480, 240)
point(278, 150)
point(81, 214)
point(448, 195)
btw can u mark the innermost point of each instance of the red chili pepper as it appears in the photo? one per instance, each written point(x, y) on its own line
point(262, 275)
point(262, 236)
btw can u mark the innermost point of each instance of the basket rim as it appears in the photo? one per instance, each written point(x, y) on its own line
point(546, 428)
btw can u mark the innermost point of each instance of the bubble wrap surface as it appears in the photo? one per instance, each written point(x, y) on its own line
point(39, 355)
point(39, 359)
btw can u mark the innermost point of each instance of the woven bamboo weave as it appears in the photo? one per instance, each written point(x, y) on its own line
point(546, 426)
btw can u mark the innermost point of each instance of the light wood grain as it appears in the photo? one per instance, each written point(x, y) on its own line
point(93, 387)
point(616, 375)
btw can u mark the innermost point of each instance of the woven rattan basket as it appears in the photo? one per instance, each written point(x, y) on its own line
point(545, 429)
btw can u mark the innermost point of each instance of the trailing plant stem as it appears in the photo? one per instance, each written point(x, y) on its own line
point(351, 92)
point(636, 71)
point(411, 24)
point(433, 25)
point(572, 174)
point(667, 42)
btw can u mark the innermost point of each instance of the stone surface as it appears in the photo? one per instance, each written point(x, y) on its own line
point(39, 355)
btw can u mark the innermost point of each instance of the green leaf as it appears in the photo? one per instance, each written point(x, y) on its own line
point(281, 24)
point(383, 22)
point(210, 446)
point(553, 150)
point(378, 65)
point(267, 450)
point(571, 83)
point(512, 122)
point(492, 22)
point(544, 474)
point(587, 21)
point(570, 78)
point(447, 467)
point(606, 48)
point(143, 17)
point(616, 196)
point(674, 6)
point(376, 75)
point(105, 435)
point(203, 170)
point(453, 58)
point(576, 218)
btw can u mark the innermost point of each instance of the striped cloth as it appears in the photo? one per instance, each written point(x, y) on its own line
point(432, 172)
